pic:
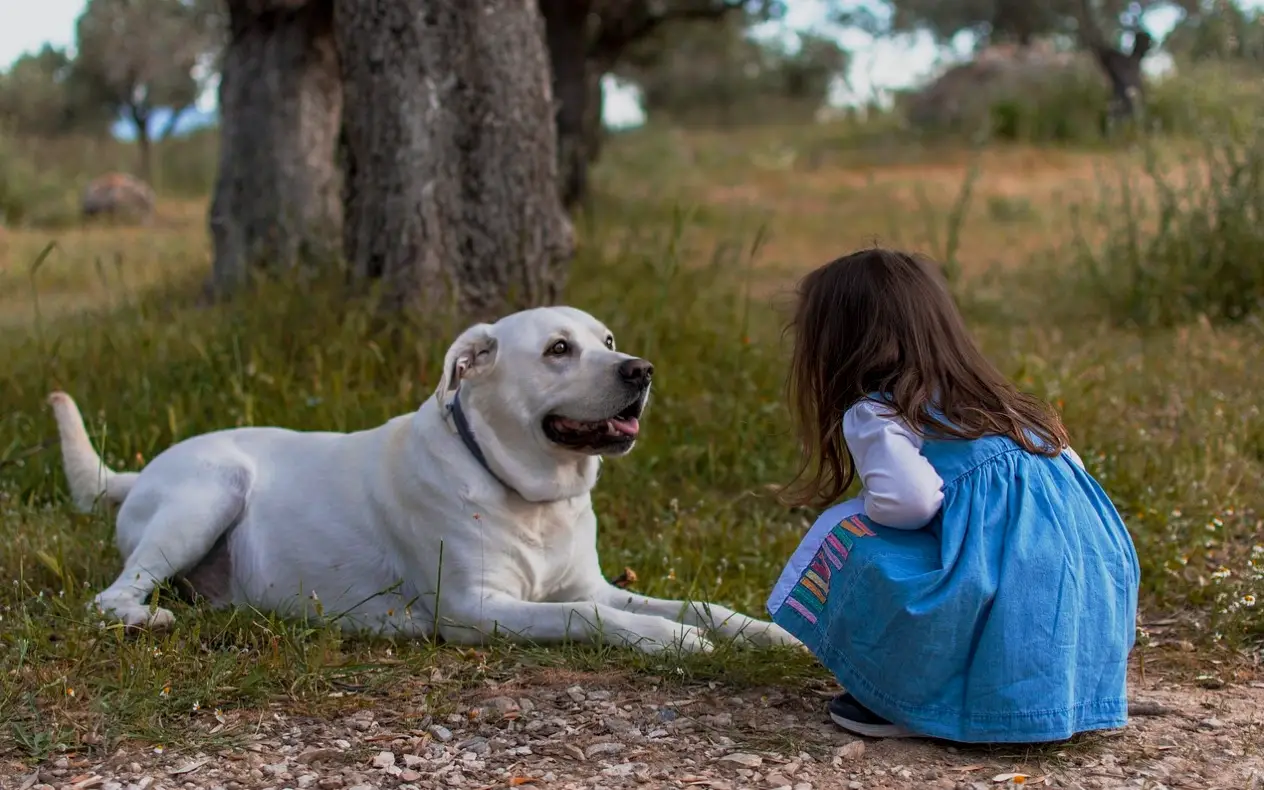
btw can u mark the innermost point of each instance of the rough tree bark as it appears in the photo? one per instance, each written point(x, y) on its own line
point(585, 41)
point(594, 116)
point(276, 201)
point(1122, 71)
point(450, 192)
point(567, 33)
point(140, 122)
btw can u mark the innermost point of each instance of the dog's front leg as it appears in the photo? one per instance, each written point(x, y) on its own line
point(719, 619)
point(475, 618)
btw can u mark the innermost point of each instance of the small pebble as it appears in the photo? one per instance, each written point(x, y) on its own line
point(440, 733)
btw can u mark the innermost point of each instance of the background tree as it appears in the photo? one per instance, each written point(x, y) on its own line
point(276, 203)
point(1099, 26)
point(282, 146)
point(716, 73)
point(43, 95)
point(141, 55)
point(1219, 31)
point(451, 193)
point(588, 39)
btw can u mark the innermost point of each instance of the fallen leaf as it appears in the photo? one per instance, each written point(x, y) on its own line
point(850, 751)
point(1015, 778)
point(521, 780)
point(189, 767)
point(743, 759)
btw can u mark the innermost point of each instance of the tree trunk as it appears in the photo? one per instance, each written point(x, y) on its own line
point(594, 116)
point(173, 121)
point(140, 120)
point(1123, 72)
point(451, 194)
point(276, 200)
point(567, 34)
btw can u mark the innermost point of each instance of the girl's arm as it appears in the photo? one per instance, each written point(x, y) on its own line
point(901, 488)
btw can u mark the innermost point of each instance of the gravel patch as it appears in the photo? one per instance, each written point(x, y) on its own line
point(580, 731)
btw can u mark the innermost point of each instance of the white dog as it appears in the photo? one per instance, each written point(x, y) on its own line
point(470, 516)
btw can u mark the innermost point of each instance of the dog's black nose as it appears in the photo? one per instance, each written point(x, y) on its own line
point(636, 371)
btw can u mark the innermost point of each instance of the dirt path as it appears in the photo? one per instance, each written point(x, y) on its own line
point(571, 730)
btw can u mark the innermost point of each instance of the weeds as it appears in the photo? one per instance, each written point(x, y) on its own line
point(30, 196)
point(1184, 241)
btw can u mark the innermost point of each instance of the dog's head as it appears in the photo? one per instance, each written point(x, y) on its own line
point(546, 392)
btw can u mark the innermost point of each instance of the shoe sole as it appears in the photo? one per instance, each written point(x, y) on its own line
point(872, 730)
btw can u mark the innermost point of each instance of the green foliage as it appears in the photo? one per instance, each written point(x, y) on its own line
point(143, 54)
point(1184, 241)
point(41, 180)
point(1221, 31)
point(42, 94)
point(1224, 97)
point(1067, 108)
point(713, 72)
point(30, 195)
point(1065, 104)
point(1000, 20)
point(1042, 98)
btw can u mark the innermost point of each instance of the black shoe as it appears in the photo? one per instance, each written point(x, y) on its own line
point(856, 718)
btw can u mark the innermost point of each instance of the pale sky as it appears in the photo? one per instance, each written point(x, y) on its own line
point(29, 24)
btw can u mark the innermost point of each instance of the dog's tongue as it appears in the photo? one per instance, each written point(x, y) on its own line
point(629, 427)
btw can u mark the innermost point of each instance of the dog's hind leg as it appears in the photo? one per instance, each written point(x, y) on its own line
point(180, 528)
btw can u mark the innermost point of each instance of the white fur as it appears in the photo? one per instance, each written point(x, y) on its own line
point(398, 529)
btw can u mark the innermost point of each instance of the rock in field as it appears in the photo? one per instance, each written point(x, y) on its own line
point(118, 196)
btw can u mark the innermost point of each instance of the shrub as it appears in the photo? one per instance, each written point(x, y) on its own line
point(1063, 99)
point(1069, 107)
point(1185, 242)
point(30, 196)
point(1195, 97)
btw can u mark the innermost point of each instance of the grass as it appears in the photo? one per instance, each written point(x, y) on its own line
point(690, 265)
point(1198, 252)
point(41, 181)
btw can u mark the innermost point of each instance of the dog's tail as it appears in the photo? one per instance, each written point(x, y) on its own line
point(90, 479)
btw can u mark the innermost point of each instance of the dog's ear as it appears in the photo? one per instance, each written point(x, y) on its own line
point(473, 354)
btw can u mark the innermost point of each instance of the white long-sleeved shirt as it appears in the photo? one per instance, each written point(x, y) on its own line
point(899, 487)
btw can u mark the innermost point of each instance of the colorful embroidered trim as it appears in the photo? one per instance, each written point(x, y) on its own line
point(812, 590)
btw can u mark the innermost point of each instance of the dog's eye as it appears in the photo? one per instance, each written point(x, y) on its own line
point(610, 342)
point(559, 349)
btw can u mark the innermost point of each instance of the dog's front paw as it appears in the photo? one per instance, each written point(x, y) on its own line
point(776, 635)
point(765, 634)
point(133, 615)
point(684, 638)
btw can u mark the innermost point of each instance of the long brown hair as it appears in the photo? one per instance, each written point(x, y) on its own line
point(883, 321)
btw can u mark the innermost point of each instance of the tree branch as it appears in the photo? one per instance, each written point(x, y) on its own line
point(625, 22)
point(169, 128)
point(1090, 32)
point(260, 7)
point(1141, 43)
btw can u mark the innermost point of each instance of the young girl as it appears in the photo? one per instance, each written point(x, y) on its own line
point(981, 588)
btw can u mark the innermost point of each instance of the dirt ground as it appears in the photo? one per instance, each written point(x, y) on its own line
point(560, 730)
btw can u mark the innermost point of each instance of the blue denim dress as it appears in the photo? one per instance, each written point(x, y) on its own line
point(1008, 619)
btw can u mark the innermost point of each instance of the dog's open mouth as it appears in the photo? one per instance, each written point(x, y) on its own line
point(613, 433)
